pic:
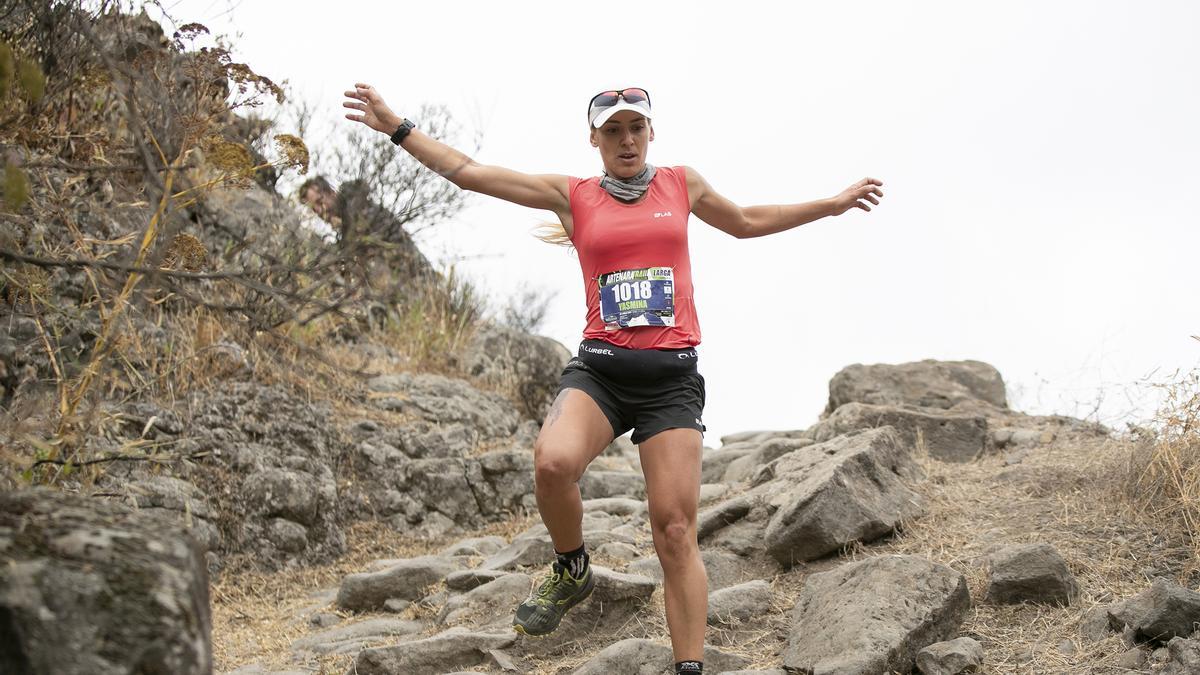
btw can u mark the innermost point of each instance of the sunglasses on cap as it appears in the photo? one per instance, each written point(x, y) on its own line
point(636, 97)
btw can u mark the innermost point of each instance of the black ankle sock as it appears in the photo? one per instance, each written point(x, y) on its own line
point(575, 562)
point(689, 667)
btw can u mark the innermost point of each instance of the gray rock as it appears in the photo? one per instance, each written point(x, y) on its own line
point(712, 491)
point(620, 551)
point(444, 400)
point(475, 546)
point(465, 580)
point(743, 468)
point(617, 506)
point(526, 365)
point(717, 517)
point(286, 535)
point(638, 656)
point(522, 552)
point(947, 436)
point(1184, 657)
point(488, 604)
point(952, 657)
point(93, 588)
point(874, 615)
point(456, 648)
point(1094, 625)
point(773, 671)
point(738, 604)
point(1132, 659)
point(353, 637)
point(324, 619)
point(831, 494)
point(601, 484)
point(715, 463)
point(407, 581)
point(1161, 612)
point(926, 384)
point(617, 587)
point(396, 605)
point(724, 569)
point(1030, 573)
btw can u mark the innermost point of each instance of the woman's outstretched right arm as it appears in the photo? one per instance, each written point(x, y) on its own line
point(547, 192)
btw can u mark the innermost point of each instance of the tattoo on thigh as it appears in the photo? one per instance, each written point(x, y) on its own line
point(556, 408)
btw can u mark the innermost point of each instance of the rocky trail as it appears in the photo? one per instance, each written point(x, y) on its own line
point(854, 553)
point(921, 525)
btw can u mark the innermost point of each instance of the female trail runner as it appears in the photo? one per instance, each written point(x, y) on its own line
point(636, 367)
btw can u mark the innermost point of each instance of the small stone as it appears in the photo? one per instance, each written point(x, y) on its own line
point(1030, 573)
point(951, 657)
point(1066, 647)
point(324, 619)
point(1132, 660)
point(396, 605)
point(738, 604)
point(1094, 625)
point(619, 550)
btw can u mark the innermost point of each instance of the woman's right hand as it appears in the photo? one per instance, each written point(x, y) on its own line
point(375, 113)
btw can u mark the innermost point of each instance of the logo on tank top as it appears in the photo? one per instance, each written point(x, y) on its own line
point(662, 214)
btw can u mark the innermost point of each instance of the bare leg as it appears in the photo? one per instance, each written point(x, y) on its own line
point(671, 465)
point(574, 433)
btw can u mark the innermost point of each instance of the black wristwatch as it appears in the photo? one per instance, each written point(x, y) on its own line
point(405, 127)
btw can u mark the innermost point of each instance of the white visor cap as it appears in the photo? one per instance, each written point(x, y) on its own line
point(600, 115)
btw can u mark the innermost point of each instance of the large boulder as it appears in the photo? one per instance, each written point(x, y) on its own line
point(94, 588)
point(874, 615)
point(851, 488)
point(925, 384)
point(527, 366)
point(947, 436)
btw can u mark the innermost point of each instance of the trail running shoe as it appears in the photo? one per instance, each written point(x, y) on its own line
point(546, 606)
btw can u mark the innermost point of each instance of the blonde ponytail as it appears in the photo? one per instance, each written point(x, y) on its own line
point(553, 233)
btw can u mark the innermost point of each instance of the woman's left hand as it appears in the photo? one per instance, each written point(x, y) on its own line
point(857, 195)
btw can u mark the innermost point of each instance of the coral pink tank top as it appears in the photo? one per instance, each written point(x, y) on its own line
point(637, 256)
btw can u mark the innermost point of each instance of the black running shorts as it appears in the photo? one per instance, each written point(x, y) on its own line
point(647, 390)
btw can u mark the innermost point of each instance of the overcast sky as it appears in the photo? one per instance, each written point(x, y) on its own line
point(1039, 162)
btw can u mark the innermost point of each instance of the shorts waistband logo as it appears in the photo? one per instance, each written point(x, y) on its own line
point(597, 350)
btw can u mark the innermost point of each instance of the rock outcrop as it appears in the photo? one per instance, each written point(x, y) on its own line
point(95, 588)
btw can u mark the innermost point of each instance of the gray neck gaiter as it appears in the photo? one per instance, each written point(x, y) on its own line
point(629, 189)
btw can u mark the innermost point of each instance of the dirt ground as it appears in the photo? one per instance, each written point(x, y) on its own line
point(1068, 493)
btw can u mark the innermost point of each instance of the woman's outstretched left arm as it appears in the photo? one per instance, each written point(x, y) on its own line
point(744, 222)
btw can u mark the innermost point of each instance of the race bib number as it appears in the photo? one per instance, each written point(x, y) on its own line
point(644, 297)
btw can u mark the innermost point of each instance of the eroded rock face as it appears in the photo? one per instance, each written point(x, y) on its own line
point(947, 436)
point(528, 365)
point(925, 384)
point(873, 616)
point(830, 494)
point(94, 588)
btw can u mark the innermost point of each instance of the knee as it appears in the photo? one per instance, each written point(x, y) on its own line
point(553, 469)
point(675, 537)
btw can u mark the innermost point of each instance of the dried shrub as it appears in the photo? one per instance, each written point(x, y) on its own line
point(1163, 471)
